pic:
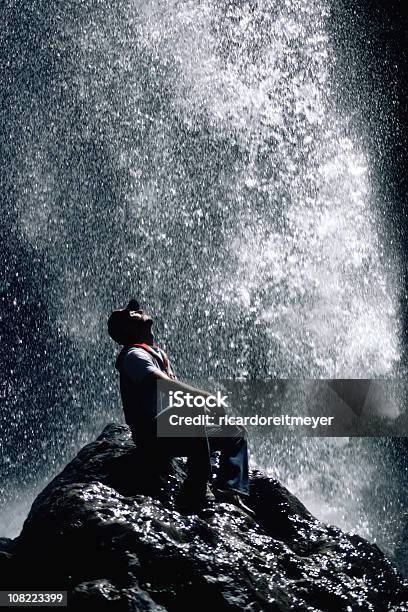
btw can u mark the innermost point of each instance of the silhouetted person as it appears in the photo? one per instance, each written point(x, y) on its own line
point(142, 364)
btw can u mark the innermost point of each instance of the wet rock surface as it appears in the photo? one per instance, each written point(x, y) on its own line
point(104, 530)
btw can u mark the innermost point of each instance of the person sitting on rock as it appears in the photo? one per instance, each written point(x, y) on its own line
point(142, 365)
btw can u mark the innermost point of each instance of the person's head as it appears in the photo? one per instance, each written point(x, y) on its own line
point(130, 325)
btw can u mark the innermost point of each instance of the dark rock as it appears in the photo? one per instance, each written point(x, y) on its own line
point(101, 595)
point(4, 562)
point(108, 532)
point(401, 551)
point(5, 544)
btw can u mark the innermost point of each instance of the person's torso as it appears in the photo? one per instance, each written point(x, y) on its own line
point(140, 400)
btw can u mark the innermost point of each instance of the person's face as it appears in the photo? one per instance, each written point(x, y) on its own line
point(140, 323)
point(139, 316)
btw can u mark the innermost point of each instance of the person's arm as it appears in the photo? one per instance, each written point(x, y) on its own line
point(168, 384)
point(171, 384)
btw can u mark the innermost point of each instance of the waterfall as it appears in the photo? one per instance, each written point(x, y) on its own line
point(191, 153)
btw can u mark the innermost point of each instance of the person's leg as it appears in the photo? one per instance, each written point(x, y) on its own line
point(198, 463)
point(157, 456)
point(232, 478)
point(233, 468)
point(198, 466)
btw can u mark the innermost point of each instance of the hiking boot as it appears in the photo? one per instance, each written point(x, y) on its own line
point(233, 497)
point(191, 498)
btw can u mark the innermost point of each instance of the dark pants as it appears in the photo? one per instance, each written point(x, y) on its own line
point(233, 467)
